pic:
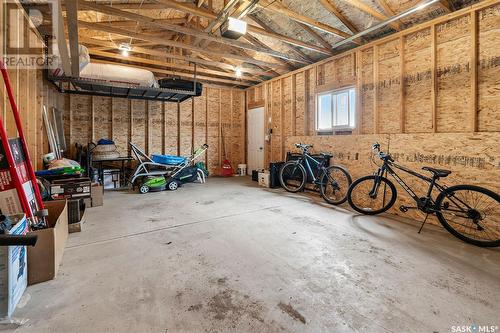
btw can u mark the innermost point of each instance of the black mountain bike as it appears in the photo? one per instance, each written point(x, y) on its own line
point(333, 181)
point(470, 213)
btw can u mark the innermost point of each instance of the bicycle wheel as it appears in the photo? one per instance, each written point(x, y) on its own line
point(470, 213)
point(334, 185)
point(292, 176)
point(362, 199)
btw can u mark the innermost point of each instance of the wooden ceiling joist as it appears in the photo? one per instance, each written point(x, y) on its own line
point(201, 12)
point(445, 4)
point(280, 8)
point(173, 73)
point(372, 12)
point(315, 35)
point(91, 41)
point(132, 24)
point(328, 5)
point(158, 63)
point(144, 20)
point(72, 21)
point(162, 41)
point(163, 63)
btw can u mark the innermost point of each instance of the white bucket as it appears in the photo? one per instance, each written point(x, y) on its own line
point(242, 170)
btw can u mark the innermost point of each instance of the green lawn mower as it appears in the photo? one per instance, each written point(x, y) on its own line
point(157, 184)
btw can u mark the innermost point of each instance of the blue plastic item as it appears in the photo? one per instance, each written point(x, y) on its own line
point(168, 159)
point(105, 142)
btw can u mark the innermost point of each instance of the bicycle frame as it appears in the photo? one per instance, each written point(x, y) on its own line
point(309, 159)
point(388, 166)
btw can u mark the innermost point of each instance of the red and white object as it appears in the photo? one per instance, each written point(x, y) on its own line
point(226, 169)
point(17, 171)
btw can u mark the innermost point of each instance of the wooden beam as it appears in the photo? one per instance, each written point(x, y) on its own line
point(161, 41)
point(132, 24)
point(359, 83)
point(265, 26)
point(335, 11)
point(164, 54)
point(445, 4)
point(163, 64)
point(280, 8)
point(387, 9)
point(402, 90)
point(175, 66)
point(256, 41)
point(371, 11)
point(144, 20)
point(434, 78)
point(294, 104)
point(72, 20)
point(61, 41)
point(474, 75)
point(188, 8)
point(117, 61)
point(375, 90)
point(316, 36)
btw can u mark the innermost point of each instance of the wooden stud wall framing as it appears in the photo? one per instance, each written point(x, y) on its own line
point(431, 91)
point(434, 78)
point(420, 63)
point(473, 66)
point(169, 128)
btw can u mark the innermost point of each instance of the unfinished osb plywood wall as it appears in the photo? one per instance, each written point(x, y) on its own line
point(30, 90)
point(216, 118)
point(430, 95)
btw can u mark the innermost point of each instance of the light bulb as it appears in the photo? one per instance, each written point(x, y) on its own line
point(238, 72)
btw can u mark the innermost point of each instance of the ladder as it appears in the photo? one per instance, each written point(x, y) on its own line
point(35, 209)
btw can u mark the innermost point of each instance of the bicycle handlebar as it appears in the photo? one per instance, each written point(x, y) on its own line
point(26, 240)
point(380, 154)
point(303, 146)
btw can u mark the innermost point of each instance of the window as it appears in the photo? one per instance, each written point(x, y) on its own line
point(336, 110)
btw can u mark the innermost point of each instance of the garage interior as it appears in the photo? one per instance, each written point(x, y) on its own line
point(174, 145)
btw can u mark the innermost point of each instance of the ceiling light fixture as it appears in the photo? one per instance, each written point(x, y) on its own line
point(233, 28)
point(125, 48)
point(238, 72)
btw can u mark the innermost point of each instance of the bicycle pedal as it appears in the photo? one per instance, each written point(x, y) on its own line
point(403, 209)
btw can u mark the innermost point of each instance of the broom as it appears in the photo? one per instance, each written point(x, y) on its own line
point(226, 169)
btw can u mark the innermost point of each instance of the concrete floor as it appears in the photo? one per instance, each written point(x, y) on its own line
point(229, 256)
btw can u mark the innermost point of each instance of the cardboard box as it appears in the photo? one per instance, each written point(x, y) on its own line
point(97, 194)
point(44, 258)
point(72, 188)
point(264, 179)
point(13, 269)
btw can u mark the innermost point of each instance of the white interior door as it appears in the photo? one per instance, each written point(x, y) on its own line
point(255, 139)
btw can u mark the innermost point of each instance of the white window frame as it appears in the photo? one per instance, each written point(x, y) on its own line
point(334, 93)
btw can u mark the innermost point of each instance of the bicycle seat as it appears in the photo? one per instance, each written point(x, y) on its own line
point(437, 172)
point(326, 155)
